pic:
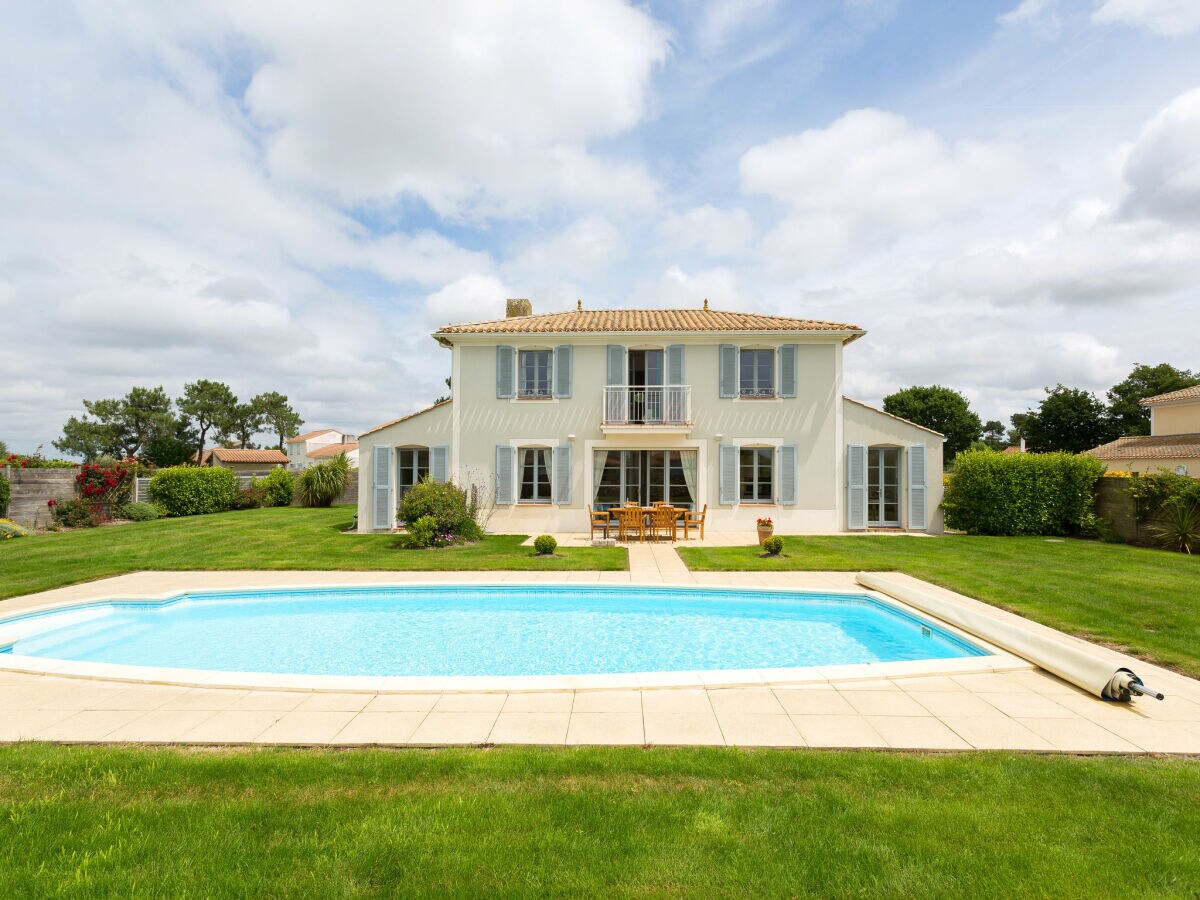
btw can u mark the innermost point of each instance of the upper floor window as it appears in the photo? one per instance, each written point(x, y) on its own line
point(756, 373)
point(534, 373)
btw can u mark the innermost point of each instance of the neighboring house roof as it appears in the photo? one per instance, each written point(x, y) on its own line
point(232, 455)
point(890, 416)
point(647, 321)
point(403, 419)
point(1011, 449)
point(1144, 446)
point(300, 438)
point(328, 451)
point(1187, 393)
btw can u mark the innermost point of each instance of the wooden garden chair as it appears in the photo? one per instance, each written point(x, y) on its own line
point(631, 521)
point(664, 522)
point(600, 519)
point(693, 519)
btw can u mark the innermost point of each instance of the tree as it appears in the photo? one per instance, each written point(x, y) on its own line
point(121, 427)
point(444, 397)
point(1019, 423)
point(277, 413)
point(940, 408)
point(206, 404)
point(993, 434)
point(1125, 413)
point(1067, 419)
point(3, 450)
point(242, 422)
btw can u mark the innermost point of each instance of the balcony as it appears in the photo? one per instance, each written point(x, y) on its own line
point(641, 409)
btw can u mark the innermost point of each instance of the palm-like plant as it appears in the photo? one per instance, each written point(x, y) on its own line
point(324, 483)
point(1178, 525)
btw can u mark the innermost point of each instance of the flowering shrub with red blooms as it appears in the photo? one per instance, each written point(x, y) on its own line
point(766, 521)
point(26, 461)
point(105, 484)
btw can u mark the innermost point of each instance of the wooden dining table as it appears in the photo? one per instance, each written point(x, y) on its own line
point(647, 512)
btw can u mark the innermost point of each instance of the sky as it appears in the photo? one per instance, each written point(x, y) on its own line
point(292, 197)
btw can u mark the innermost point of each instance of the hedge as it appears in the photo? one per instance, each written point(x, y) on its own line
point(1021, 493)
point(192, 490)
point(5, 494)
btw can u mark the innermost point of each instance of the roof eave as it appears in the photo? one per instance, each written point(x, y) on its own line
point(446, 339)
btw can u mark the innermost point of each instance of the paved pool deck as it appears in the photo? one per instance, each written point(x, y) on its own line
point(1001, 703)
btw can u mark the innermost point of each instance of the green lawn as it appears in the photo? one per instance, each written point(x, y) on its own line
point(94, 821)
point(287, 538)
point(1145, 602)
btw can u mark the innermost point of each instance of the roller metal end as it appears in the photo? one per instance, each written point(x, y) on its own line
point(1137, 687)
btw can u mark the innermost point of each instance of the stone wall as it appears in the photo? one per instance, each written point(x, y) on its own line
point(31, 488)
point(1114, 503)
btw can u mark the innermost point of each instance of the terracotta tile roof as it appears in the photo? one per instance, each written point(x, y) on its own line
point(646, 321)
point(1187, 393)
point(328, 451)
point(232, 455)
point(402, 419)
point(1139, 446)
point(300, 438)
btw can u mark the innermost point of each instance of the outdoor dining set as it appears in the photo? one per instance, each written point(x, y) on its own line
point(657, 522)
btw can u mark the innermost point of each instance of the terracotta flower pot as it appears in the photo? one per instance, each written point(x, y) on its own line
point(764, 532)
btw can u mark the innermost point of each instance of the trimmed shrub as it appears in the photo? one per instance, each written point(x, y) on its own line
point(1022, 493)
point(5, 493)
point(446, 503)
point(35, 461)
point(773, 545)
point(545, 544)
point(10, 529)
point(278, 488)
point(139, 512)
point(248, 498)
point(193, 490)
point(321, 484)
point(422, 533)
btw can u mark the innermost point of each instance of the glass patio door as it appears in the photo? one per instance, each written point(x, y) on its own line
point(883, 487)
point(645, 386)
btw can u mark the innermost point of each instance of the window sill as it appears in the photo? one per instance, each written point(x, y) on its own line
point(540, 503)
point(535, 399)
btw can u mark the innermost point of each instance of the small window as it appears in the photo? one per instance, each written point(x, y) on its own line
point(413, 465)
point(756, 474)
point(535, 475)
point(534, 370)
point(757, 373)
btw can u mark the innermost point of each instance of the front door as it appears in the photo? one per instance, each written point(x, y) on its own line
point(883, 487)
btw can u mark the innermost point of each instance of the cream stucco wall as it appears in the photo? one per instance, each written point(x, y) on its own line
point(875, 428)
point(1191, 465)
point(1182, 417)
point(428, 429)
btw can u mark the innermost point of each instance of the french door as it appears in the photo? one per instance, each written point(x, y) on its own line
point(645, 477)
point(883, 487)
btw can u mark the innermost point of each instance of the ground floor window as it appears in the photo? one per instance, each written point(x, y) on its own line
point(535, 475)
point(756, 474)
point(412, 465)
point(644, 477)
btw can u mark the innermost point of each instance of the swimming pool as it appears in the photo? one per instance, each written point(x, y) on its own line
point(484, 630)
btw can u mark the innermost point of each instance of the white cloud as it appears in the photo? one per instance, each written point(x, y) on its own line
point(472, 298)
point(475, 107)
point(581, 249)
point(676, 287)
point(869, 176)
point(1166, 17)
point(717, 232)
point(1162, 168)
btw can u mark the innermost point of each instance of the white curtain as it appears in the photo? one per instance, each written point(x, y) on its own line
point(598, 458)
point(687, 460)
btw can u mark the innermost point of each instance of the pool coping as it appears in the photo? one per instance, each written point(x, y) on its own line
point(994, 660)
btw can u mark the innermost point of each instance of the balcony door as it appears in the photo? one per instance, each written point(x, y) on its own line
point(645, 379)
point(883, 487)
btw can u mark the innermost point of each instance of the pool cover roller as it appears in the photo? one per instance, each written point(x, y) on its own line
point(1080, 668)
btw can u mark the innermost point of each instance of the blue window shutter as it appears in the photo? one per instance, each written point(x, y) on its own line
point(856, 487)
point(787, 370)
point(729, 474)
point(729, 371)
point(918, 514)
point(617, 369)
point(675, 364)
point(381, 484)
point(562, 474)
point(439, 463)
point(562, 371)
point(504, 474)
point(787, 474)
point(506, 370)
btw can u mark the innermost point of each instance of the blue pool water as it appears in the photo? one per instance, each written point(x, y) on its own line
point(487, 630)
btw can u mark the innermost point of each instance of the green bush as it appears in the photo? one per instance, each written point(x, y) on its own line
point(545, 545)
point(1154, 491)
point(5, 493)
point(1022, 493)
point(248, 498)
point(76, 513)
point(278, 488)
point(1178, 525)
point(193, 490)
point(321, 484)
point(446, 503)
point(773, 545)
point(10, 529)
point(139, 512)
point(422, 532)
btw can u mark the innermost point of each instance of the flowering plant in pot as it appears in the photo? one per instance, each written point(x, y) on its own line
point(766, 528)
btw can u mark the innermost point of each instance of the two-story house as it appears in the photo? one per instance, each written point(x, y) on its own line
point(738, 412)
point(1172, 444)
point(305, 450)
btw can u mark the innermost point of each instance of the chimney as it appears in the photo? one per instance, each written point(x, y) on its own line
point(515, 306)
point(1022, 445)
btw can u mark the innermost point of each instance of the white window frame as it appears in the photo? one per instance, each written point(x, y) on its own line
point(757, 393)
point(521, 392)
point(520, 480)
point(774, 483)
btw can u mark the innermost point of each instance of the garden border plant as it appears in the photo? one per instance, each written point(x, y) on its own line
point(439, 513)
point(193, 490)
